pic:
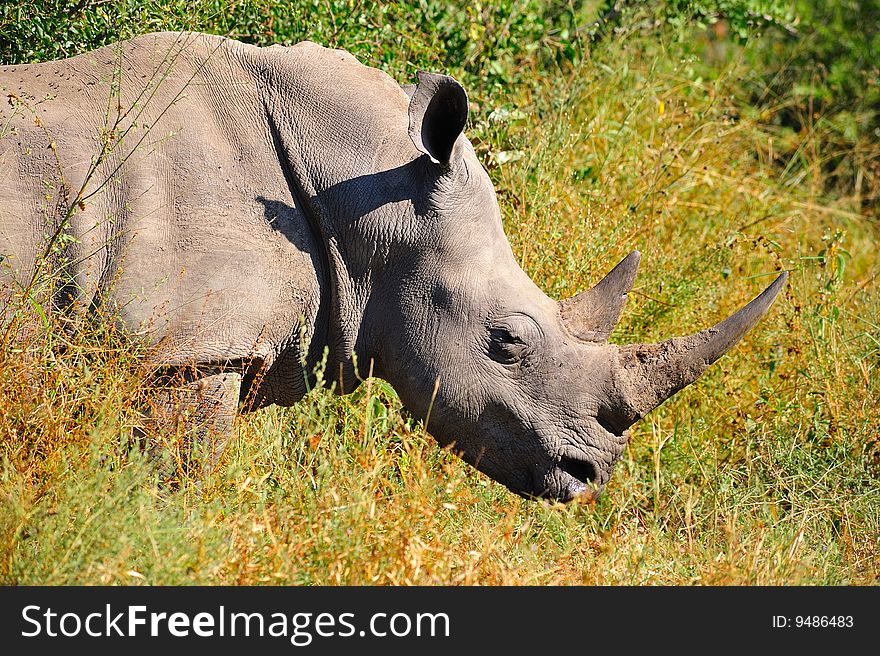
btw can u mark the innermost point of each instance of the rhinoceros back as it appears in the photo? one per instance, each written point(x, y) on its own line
point(142, 178)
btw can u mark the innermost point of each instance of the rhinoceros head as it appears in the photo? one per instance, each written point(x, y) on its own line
point(525, 388)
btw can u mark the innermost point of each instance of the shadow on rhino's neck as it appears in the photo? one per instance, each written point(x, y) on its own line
point(345, 254)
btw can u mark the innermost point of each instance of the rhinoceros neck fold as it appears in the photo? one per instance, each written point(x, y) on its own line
point(306, 141)
point(339, 327)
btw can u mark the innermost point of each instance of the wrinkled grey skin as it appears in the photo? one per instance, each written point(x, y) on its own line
point(271, 202)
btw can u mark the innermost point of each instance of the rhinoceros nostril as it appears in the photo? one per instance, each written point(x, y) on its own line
point(580, 469)
point(609, 424)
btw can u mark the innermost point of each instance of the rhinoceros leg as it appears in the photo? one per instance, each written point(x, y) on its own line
point(191, 420)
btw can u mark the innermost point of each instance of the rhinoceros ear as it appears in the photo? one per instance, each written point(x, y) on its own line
point(438, 110)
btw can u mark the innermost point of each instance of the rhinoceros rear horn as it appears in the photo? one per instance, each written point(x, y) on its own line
point(648, 374)
point(592, 315)
point(438, 111)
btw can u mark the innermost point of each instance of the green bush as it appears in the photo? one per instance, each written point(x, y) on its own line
point(823, 84)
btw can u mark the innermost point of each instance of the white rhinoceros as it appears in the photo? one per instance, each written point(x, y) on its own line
point(250, 211)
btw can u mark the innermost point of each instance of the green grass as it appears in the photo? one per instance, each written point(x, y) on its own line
point(763, 472)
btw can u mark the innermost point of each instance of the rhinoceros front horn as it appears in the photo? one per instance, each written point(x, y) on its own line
point(645, 375)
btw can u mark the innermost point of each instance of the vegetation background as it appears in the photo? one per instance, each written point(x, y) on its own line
point(725, 139)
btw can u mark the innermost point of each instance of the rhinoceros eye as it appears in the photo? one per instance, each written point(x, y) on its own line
point(505, 347)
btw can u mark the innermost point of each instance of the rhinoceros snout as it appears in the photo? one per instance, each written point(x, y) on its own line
point(570, 479)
